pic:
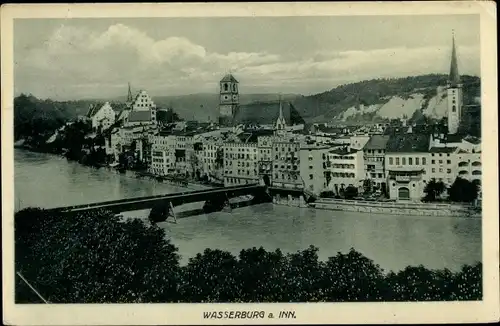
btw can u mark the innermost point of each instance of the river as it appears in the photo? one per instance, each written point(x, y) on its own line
point(393, 242)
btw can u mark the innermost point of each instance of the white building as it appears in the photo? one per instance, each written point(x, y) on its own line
point(374, 160)
point(346, 168)
point(285, 153)
point(240, 164)
point(101, 116)
point(314, 167)
point(406, 165)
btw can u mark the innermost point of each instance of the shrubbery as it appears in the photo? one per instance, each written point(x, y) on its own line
point(96, 258)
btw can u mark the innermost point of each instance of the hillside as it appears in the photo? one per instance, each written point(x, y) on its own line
point(379, 99)
point(205, 107)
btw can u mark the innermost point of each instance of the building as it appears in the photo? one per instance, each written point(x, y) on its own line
point(240, 163)
point(468, 166)
point(374, 160)
point(346, 168)
point(406, 164)
point(285, 153)
point(140, 111)
point(314, 167)
point(442, 165)
point(264, 145)
point(101, 116)
point(455, 93)
point(229, 100)
point(280, 125)
point(210, 160)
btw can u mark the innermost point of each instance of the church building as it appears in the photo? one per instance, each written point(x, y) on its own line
point(455, 95)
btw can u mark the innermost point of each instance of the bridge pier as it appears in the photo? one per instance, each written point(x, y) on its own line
point(173, 212)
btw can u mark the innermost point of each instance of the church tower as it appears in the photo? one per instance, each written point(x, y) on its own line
point(229, 100)
point(455, 96)
point(130, 98)
point(280, 127)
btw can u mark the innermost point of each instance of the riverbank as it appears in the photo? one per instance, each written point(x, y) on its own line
point(128, 172)
point(396, 208)
point(388, 208)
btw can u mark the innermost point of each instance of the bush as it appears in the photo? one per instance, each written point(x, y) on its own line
point(97, 258)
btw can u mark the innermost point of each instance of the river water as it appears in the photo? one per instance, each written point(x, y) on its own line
point(393, 242)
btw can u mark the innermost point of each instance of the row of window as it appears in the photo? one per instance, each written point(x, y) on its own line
point(402, 160)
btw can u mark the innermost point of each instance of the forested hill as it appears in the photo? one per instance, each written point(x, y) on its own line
point(384, 98)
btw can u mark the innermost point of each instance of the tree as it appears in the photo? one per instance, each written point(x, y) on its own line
point(350, 192)
point(351, 277)
point(433, 189)
point(368, 186)
point(95, 257)
point(463, 190)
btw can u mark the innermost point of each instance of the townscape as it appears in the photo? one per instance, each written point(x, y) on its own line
point(400, 160)
point(417, 166)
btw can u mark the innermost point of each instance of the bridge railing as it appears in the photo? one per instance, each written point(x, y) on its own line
point(165, 196)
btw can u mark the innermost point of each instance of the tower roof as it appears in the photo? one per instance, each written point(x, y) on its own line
point(130, 98)
point(454, 77)
point(229, 78)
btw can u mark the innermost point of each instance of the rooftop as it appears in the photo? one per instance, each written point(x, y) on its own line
point(262, 113)
point(377, 142)
point(442, 149)
point(139, 116)
point(408, 143)
point(343, 151)
point(229, 78)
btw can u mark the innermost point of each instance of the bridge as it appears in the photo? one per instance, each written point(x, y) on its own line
point(215, 199)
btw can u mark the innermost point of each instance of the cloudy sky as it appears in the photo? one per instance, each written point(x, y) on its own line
point(95, 58)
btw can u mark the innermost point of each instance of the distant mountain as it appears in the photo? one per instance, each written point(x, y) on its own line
point(205, 107)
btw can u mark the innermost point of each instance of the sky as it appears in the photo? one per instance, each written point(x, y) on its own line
point(96, 58)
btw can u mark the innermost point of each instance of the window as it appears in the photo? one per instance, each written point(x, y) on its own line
point(391, 161)
point(417, 161)
point(440, 169)
point(448, 170)
point(440, 161)
point(448, 161)
point(433, 161)
point(433, 170)
point(397, 160)
point(311, 176)
point(403, 160)
point(453, 108)
point(310, 167)
point(432, 154)
point(424, 161)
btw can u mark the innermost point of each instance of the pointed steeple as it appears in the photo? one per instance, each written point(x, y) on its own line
point(454, 78)
point(281, 110)
point(129, 96)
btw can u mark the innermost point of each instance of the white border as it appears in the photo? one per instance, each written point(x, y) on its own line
point(313, 313)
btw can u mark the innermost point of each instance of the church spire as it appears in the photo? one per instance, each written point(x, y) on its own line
point(129, 96)
point(454, 78)
point(281, 110)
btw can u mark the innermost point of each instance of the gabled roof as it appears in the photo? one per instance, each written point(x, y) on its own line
point(377, 142)
point(229, 78)
point(263, 113)
point(408, 143)
point(93, 109)
point(139, 116)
